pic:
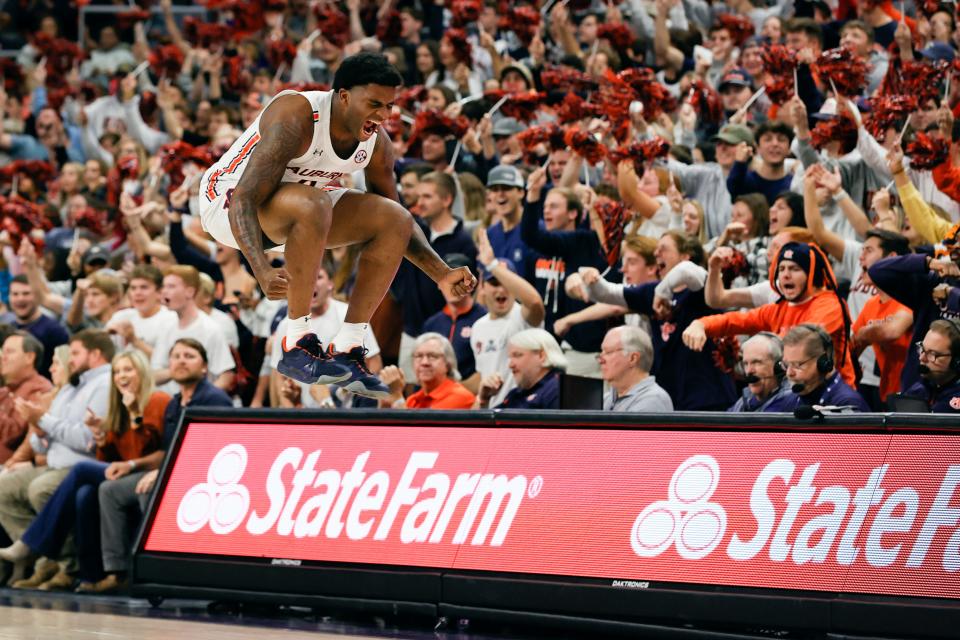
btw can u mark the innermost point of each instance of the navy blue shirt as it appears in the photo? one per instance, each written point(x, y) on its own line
point(945, 399)
point(690, 377)
point(563, 253)
point(457, 330)
point(51, 335)
point(417, 294)
point(508, 244)
point(205, 395)
point(742, 180)
point(834, 392)
point(908, 281)
point(543, 395)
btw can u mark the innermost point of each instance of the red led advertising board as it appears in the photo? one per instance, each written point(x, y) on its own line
point(852, 513)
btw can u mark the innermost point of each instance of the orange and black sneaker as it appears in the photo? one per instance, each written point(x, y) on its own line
point(361, 381)
point(307, 362)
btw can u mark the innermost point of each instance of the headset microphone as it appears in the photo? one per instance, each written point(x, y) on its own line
point(923, 369)
point(798, 387)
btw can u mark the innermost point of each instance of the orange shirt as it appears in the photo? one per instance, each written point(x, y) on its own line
point(133, 443)
point(779, 317)
point(890, 355)
point(449, 395)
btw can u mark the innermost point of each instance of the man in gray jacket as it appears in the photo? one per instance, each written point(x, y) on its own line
point(626, 356)
point(60, 432)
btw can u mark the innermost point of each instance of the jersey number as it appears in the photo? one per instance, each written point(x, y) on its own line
point(309, 183)
point(226, 198)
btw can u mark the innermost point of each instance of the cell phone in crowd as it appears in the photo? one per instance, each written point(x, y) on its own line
point(702, 54)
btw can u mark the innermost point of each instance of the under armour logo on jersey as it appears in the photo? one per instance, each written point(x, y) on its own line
point(360, 157)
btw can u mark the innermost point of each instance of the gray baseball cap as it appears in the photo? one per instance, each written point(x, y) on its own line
point(505, 175)
point(507, 127)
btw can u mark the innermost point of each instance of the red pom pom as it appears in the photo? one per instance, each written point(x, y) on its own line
point(61, 54)
point(779, 64)
point(333, 23)
point(887, 112)
point(411, 97)
point(574, 108)
point(613, 218)
point(436, 122)
point(247, 16)
point(734, 267)
point(40, 171)
point(922, 79)
point(174, 155)
point(550, 134)
point(655, 97)
point(94, 220)
point(523, 106)
point(389, 27)
point(462, 50)
point(838, 129)
point(617, 34)
point(584, 145)
point(641, 153)
point(206, 35)
point(726, 355)
point(927, 153)
point(706, 101)
point(523, 21)
point(237, 77)
point(464, 12)
point(566, 79)
point(166, 61)
point(18, 218)
point(928, 7)
point(281, 52)
point(847, 71)
point(740, 27)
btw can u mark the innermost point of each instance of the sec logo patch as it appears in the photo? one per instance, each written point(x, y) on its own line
point(360, 157)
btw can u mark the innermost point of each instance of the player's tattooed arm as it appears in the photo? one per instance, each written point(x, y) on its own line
point(286, 129)
point(382, 181)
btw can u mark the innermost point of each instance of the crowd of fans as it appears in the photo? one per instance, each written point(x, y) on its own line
point(729, 206)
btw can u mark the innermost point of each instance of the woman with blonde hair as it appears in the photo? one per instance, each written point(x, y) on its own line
point(694, 220)
point(128, 438)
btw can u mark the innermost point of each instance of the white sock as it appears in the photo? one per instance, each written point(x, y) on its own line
point(350, 335)
point(296, 329)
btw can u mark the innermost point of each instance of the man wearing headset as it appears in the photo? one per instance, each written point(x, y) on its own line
point(939, 368)
point(808, 361)
point(763, 373)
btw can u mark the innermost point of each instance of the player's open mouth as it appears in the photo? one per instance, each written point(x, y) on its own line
point(370, 127)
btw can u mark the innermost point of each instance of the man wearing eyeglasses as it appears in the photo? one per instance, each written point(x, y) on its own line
point(939, 355)
point(808, 360)
point(625, 358)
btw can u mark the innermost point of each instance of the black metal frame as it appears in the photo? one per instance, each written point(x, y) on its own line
point(562, 600)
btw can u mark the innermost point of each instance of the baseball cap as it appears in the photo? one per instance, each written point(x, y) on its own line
point(505, 175)
point(521, 69)
point(739, 77)
point(506, 127)
point(937, 51)
point(735, 134)
point(507, 262)
point(96, 253)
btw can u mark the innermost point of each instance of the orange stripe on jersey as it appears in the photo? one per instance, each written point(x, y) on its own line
point(233, 166)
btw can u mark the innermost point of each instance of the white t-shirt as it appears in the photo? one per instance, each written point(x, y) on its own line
point(204, 330)
point(860, 292)
point(489, 341)
point(149, 330)
point(326, 327)
point(227, 325)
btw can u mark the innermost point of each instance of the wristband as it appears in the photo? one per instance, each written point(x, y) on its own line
point(840, 196)
point(133, 464)
point(493, 265)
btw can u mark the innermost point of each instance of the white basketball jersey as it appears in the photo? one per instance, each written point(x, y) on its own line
point(318, 167)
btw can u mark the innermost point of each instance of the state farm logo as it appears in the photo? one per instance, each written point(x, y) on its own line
point(686, 519)
point(304, 501)
point(221, 501)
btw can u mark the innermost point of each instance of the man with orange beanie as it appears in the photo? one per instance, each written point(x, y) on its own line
point(808, 293)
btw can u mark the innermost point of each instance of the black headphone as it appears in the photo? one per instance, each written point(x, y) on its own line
point(954, 344)
point(825, 361)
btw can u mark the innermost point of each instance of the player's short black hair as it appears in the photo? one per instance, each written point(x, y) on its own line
point(366, 68)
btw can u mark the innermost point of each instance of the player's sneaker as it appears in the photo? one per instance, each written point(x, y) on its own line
point(307, 362)
point(361, 382)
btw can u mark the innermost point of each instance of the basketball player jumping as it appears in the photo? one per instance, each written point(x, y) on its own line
point(270, 191)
